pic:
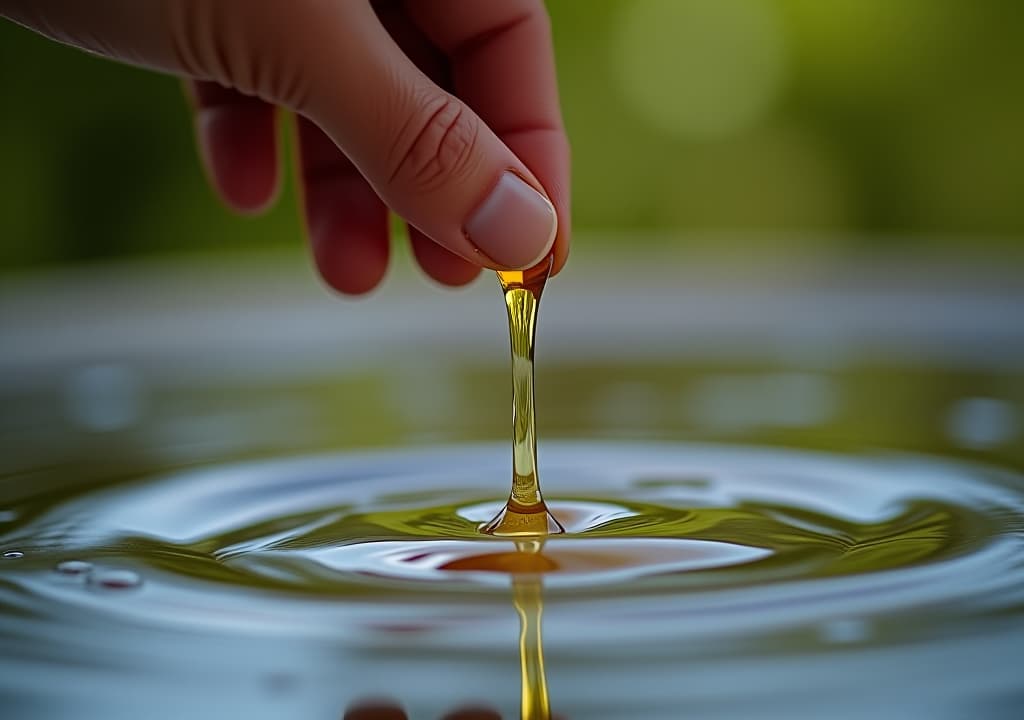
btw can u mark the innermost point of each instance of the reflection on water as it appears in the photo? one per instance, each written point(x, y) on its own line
point(534, 703)
point(392, 710)
point(743, 569)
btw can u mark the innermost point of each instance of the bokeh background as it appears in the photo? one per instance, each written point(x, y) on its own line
point(853, 123)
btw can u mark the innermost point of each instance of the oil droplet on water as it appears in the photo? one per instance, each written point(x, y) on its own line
point(525, 514)
point(73, 567)
point(115, 579)
point(14, 554)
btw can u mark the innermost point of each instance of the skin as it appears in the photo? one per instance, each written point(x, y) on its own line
point(417, 106)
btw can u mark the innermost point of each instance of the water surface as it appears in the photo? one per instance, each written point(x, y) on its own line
point(791, 506)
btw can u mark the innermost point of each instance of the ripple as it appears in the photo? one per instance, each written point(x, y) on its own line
point(747, 540)
point(563, 563)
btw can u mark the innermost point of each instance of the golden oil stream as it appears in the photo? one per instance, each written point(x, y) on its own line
point(525, 513)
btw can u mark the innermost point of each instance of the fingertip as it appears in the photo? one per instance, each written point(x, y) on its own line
point(348, 233)
point(441, 264)
point(349, 261)
point(238, 146)
point(545, 151)
point(560, 252)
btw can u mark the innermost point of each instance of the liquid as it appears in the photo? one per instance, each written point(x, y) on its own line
point(534, 704)
point(683, 572)
point(698, 581)
point(525, 565)
point(525, 513)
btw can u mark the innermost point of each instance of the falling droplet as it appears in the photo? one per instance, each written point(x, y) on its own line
point(73, 567)
point(115, 579)
point(14, 554)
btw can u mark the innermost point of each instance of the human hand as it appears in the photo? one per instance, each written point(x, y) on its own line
point(446, 111)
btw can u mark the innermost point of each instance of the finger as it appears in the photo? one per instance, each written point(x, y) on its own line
point(237, 138)
point(347, 224)
point(503, 67)
point(413, 41)
point(439, 263)
point(427, 154)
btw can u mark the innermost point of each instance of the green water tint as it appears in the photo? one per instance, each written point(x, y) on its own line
point(336, 553)
point(525, 513)
point(675, 561)
point(796, 543)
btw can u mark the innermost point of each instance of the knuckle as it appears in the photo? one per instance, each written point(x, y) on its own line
point(437, 147)
point(248, 50)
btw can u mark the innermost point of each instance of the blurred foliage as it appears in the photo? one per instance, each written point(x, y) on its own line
point(848, 119)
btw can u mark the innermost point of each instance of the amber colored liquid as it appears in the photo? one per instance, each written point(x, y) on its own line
point(527, 593)
point(525, 513)
point(526, 565)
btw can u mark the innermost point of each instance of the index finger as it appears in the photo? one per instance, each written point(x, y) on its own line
point(503, 67)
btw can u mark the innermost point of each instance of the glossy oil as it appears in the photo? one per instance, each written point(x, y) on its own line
point(525, 514)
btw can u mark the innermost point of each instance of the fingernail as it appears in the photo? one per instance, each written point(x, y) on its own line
point(515, 225)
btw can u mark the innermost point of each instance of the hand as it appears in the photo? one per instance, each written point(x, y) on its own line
point(471, 172)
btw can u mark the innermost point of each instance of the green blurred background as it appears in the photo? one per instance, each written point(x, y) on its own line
point(710, 122)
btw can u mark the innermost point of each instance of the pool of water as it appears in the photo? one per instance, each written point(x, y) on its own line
point(228, 496)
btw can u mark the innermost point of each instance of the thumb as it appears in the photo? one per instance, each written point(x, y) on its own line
point(425, 152)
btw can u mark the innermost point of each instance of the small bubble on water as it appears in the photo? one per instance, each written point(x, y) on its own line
point(14, 554)
point(115, 579)
point(73, 567)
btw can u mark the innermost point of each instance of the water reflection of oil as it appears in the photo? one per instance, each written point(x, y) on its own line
point(678, 554)
point(525, 566)
point(534, 703)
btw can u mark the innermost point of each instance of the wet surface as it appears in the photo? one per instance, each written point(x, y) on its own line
point(814, 515)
